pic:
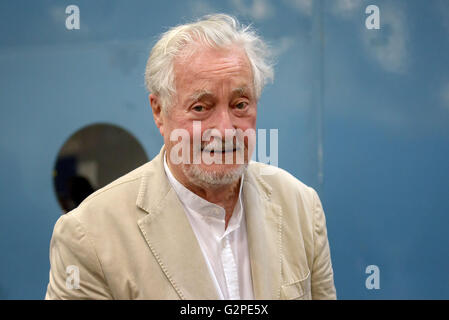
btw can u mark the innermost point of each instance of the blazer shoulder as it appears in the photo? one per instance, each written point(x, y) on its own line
point(113, 199)
point(128, 178)
point(279, 182)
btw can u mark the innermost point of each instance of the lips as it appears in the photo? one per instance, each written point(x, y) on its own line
point(208, 149)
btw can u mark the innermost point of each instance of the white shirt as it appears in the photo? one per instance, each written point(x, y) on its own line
point(225, 251)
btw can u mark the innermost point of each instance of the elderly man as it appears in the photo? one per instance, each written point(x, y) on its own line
point(180, 227)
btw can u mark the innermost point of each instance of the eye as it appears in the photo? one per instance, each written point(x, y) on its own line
point(198, 108)
point(241, 105)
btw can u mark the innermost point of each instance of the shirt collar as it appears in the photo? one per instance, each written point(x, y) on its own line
point(203, 207)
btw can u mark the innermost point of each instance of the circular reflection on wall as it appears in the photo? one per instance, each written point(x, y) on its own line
point(91, 158)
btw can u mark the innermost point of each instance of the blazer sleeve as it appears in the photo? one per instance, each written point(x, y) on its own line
point(323, 287)
point(75, 270)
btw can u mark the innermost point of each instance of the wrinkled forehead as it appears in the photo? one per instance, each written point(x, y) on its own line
point(201, 62)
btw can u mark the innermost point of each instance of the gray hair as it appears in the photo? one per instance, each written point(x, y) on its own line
point(216, 31)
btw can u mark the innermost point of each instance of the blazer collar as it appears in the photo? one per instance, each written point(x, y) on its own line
point(264, 227)
point(172, 241)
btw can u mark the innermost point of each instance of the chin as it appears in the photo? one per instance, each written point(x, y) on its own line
point(214, 175)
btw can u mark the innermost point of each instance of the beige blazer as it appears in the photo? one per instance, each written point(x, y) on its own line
point(132, 240)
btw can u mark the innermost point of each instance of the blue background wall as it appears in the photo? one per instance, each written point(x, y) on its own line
point(363, 117)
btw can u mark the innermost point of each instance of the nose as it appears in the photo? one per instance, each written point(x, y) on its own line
point(224, 122)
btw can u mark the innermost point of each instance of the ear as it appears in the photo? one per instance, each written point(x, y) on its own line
point(156, 107)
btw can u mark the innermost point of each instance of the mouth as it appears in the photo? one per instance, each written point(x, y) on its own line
point(212, 151)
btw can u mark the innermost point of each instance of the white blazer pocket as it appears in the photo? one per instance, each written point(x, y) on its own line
point(297, 290)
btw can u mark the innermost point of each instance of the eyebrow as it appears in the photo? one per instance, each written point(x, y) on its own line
point(203, 93)
point(200, 94)
point(241, 91)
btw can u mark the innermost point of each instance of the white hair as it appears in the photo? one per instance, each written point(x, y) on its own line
point(216, 31)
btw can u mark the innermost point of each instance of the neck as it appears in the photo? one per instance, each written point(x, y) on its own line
point(217, 194)
point(220, 195)
point(225, 196)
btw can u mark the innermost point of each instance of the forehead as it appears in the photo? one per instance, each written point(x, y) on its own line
point(206, 67)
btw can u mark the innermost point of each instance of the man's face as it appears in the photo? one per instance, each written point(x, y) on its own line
point(216, 88)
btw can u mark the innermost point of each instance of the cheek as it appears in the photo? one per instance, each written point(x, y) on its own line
point(175, 122)
point(251, 119)
point(247, 123)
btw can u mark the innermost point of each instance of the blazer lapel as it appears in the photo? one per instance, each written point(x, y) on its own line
point(172, 241)
point(264, 227)
point(170, 237)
